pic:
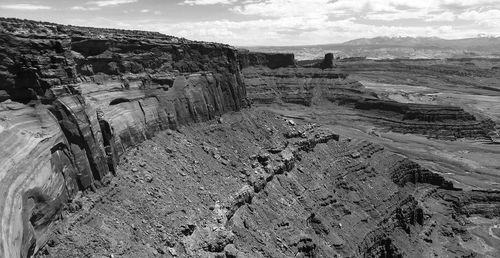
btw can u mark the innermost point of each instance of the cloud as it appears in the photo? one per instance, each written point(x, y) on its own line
point(82, 8)
point(467, 3)
point(207, 2)
point(488, 18)
point(444, 16)
point(299, 22)
point(25, 7)
point(302, 22)
point(104, 3)
point(306, 28)
point(297, 31)
point(387, 10)
point(400, 15)
point(288, 8)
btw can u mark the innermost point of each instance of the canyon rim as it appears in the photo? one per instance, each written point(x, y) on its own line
point(133, 143)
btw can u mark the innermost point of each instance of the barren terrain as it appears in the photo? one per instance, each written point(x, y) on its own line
point(198, 155)
point(136, 144)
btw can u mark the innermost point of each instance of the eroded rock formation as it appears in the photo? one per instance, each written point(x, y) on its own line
point(90, 94)
point(327, 62)
point(446, 122)
point(74, 100)
point(301, 85)
point(311, 85)
point(256, 185)
point(271, 60)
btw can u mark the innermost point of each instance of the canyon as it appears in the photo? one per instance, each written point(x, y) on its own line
point(123, 143)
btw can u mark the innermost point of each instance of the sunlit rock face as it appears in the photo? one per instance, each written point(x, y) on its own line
point(73, 99)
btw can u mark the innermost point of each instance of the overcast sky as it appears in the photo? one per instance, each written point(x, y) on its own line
point(272, 22)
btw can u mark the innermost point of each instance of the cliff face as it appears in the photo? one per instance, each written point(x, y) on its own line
point(301, 86)
point(74, 99)
point(448, 122)
point(271, 60)
point(274, 77)
point(317, 82)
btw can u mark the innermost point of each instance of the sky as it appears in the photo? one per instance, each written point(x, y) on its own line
point(272, 22)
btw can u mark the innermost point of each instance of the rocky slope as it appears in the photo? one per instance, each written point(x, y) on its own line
point(74, 99)
point(255, 185)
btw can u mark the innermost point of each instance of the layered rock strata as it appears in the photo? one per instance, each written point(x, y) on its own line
point(445, 122)
point(74, 99)
point(257, 185)
point(307, 86)
point(271, 60)
point(301, 86)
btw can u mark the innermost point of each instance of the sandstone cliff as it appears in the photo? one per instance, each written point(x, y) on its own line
point(271, 60)
point(438, 121)
point(73, 99)
point(301, 86)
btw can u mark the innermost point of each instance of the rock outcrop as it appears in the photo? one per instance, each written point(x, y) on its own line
point(327, 62)
point(445, 122)
point(271, 60)
point(74, 99)
point(301, 85)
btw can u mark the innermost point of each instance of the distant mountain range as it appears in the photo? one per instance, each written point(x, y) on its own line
point(471, 43)
point(398, 47)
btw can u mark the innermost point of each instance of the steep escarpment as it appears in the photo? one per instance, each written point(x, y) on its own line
point(301, 85)
point(327, 81)
point(445, 122)
point(271, 60)
point(74, 99)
